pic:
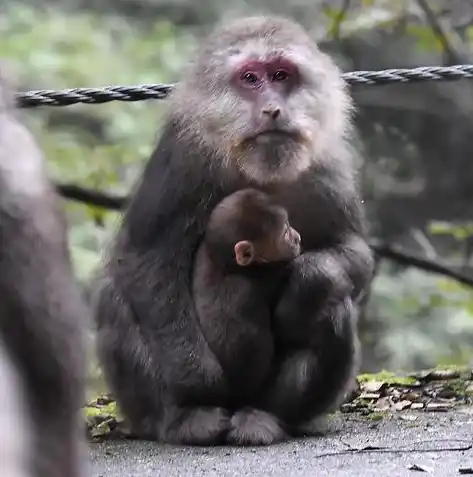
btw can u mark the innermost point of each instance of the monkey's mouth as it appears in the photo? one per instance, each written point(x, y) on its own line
point(274, 135)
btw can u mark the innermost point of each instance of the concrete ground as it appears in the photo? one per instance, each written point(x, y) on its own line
point(406, 435)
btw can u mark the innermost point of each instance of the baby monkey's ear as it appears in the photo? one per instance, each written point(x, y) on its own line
point(244, 253)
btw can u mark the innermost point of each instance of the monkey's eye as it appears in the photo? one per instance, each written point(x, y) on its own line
point(249, 78)
point(280, 75)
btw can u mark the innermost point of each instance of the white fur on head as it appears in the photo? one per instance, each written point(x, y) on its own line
point(211, 112)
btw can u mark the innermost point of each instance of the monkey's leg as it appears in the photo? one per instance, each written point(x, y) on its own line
point(312, 381)
point(129, 389)
point(150, 380)
point(150, 417)
point(126, 360)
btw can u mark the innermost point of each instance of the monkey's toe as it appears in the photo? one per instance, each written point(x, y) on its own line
point(252, 427)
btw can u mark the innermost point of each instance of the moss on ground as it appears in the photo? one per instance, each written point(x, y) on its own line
point(379, 395)
point(387, 377)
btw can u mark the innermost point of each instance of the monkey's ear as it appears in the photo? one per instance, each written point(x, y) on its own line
point(244, 253)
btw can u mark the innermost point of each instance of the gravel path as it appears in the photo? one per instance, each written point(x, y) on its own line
point(303, 458)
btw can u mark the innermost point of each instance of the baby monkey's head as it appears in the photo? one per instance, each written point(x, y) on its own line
point(251, 228)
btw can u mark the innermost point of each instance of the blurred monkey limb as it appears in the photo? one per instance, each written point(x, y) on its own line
point(42, 315)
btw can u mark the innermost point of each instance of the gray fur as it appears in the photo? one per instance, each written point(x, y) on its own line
point(42, 315)
point(158, 359)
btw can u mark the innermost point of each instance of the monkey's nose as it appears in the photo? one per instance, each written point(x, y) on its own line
point(297, 238)
point(273, 113)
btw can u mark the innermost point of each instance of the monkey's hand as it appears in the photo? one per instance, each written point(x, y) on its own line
point(322, 278)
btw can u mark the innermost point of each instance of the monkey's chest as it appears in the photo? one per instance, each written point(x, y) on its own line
point(308, 214)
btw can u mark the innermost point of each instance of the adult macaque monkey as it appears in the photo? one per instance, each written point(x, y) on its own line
point(260, 107)
point(42, 316)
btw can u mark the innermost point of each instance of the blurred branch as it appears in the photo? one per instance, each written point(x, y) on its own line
point(386, 251)
point(91, 197)
point(451, 42)
point(117, 203)
point(439, 31)
point(338, 20)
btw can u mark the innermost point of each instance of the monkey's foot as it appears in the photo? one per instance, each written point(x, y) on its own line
point(200, 426)
point(254, 427)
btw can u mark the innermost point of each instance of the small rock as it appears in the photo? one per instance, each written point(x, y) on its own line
point(396, 394)
point(446, 393)
point(383, 404)
point(465, 470)
point(373, 386)
point(411, 396)
point(438, 375)
point(399, 406)
point(102, 429)
point(370, 395)
point(408, 417)
point(438, 407)
point(350, 407)
point(417, 405)
point(104, 400)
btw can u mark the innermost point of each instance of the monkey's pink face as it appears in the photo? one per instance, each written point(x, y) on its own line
point(268, 129)
point(266, 86)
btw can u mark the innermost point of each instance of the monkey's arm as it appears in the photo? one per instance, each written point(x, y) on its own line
point(344, 267)
point(336, 261)
point(322, 276)
point(317, 314)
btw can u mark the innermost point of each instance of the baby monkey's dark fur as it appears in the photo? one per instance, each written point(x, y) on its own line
point(238, 273)
point(42, 316)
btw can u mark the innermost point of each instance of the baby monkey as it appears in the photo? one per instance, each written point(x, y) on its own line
point(238, 271)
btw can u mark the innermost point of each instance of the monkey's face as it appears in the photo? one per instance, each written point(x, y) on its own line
point(284, 246)
point(268, 140)
point(281, 245)
point(265, 98)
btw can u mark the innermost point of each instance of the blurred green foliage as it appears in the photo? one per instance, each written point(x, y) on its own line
point(427, 320)
point(101, 147)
